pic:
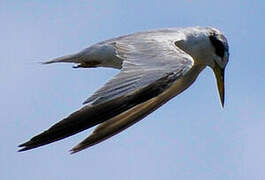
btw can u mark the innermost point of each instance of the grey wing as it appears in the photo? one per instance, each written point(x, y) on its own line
point(149, 68)
point(143, 64)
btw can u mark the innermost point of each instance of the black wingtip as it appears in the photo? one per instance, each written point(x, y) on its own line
point(74, 150)
point(25, 146)
point(24, 149)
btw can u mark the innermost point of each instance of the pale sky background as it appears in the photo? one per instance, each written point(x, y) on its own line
point(191, 137)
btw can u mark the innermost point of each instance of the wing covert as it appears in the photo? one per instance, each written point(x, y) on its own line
point(145, 60)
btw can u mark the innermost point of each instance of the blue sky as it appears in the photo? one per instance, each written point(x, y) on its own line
point(190, 137)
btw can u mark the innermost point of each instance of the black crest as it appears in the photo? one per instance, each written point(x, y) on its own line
point(219, 45)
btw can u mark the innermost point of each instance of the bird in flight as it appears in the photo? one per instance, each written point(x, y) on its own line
point(155, 66)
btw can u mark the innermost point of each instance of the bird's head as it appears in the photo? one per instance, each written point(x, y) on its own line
point(220, 57)
point(208, 47)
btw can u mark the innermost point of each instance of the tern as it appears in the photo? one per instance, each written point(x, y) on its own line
point(155, 66)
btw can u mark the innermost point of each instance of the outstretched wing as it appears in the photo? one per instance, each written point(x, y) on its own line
point(150, 67)
point(145, 60)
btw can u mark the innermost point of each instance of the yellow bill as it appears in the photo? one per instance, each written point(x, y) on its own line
point(219, 75)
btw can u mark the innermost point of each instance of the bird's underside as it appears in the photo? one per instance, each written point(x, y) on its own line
point(153, 71)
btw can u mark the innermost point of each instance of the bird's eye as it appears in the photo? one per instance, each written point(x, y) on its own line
point(218, 45)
